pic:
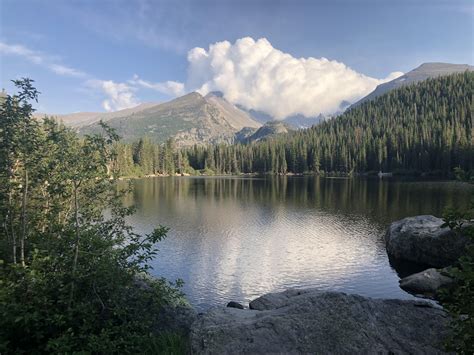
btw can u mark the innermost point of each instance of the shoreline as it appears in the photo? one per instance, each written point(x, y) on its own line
point(330, 176)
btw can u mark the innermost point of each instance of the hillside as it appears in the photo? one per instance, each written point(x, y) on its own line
point(190, 119)
point(422, 128)
point(423, 72)
point(269, 130)
point(81, 119)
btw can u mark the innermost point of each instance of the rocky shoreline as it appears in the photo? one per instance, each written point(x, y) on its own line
point(425, 240)
point(314, 321)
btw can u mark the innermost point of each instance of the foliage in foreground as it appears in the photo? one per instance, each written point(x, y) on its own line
point(71, 279)
point(459, 299)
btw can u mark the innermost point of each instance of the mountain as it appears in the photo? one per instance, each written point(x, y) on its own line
point(3, 95)
point(258, 116)
point(190, 119)
point(268, 130)
point(301, 121)
point(295, 121)
point(234, 116)
point(423, 72)
point(425, 128)
point(80, 119)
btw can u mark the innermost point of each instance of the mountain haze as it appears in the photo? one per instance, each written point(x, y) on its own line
point(295, 121)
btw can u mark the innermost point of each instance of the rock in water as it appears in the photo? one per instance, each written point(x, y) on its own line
point(422, 239)
point(427, 282)
point(275, 300)
point(311, 321)
point(233, 304)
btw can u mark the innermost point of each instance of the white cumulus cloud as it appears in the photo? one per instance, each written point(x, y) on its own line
point(119, 95)
point(261, 77)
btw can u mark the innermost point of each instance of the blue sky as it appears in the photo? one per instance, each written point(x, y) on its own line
point(97, 55)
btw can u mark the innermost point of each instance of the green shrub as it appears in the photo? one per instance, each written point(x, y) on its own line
point(459, 299)
point(73, 275)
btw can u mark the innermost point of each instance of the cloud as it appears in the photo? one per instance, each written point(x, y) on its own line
point(120, 95)
point(391, 76)
point(40, 59)
point(258, 76)
point(172, 88)
point(67, 71)
point(251, 73)
point(19, 50)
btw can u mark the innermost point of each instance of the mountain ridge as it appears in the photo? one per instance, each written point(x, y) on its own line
point(211, 119)
point(422, 72)
point(190, 119)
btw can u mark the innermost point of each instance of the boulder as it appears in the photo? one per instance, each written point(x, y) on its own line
point(422, 239)
point(233, 304)
point(312, 321)
point(427, 282)
point(276, 300)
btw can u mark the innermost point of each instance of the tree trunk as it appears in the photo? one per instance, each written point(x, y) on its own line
point(9, 224)
point(24, 219)
point(76, 245)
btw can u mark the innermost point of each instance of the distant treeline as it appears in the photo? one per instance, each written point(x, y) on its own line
point(422, 128)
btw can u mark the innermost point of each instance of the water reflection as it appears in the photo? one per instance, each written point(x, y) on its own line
point(237, 238)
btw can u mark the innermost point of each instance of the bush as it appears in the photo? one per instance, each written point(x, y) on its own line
point(458, 300)
point(71, 269)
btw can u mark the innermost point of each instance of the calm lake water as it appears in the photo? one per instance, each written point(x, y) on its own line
point(234, 238)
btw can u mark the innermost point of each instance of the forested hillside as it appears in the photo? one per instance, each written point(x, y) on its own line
point(423, 72)
point(423, 128)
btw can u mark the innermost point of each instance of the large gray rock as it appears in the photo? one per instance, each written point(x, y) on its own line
point(276, 300)
point(311, 321)
point(233, 304)
point(427, 282)
point(422, 239)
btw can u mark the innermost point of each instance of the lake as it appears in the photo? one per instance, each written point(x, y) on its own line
point(236, 238)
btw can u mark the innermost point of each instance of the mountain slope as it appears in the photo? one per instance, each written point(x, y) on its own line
point(80, 119)
point(190, 119)
point(234, 116)
point(268, 130)
point(423, 72)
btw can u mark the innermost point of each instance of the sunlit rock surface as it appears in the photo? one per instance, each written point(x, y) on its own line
point(311, 321)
